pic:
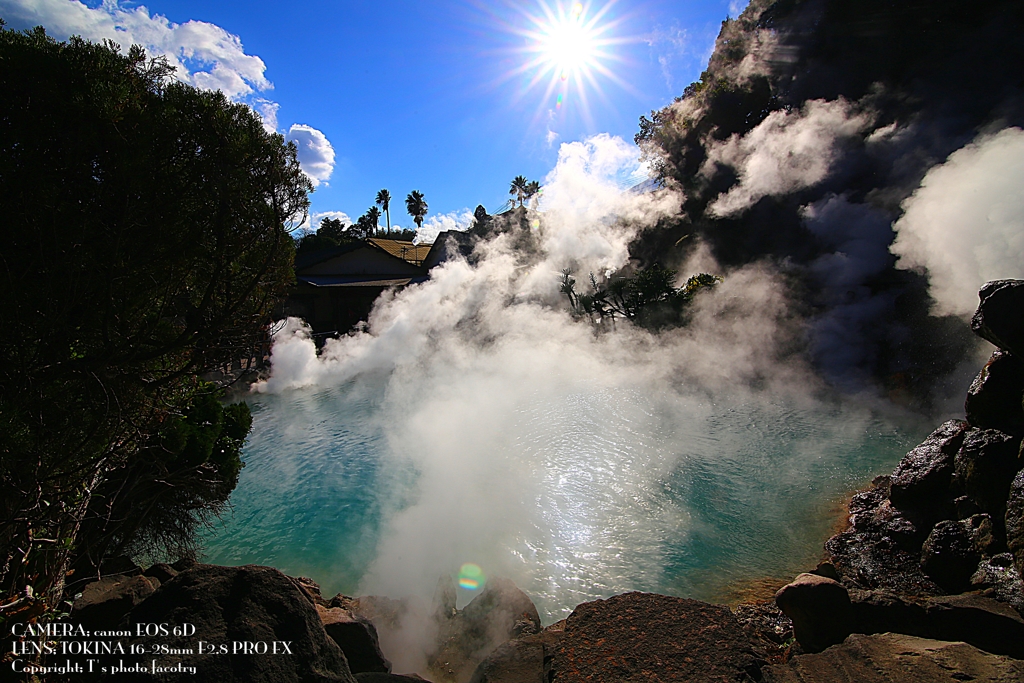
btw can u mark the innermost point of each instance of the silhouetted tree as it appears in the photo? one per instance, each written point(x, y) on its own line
point(373, 218)
point(416, 206)
point(384, 201)
point(145, 241)
point(518, 188)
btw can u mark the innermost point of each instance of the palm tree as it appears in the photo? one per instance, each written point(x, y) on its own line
point(416, 207)
point(384, 201)
point(532, 188)
point(373, 214)
point(519, 184)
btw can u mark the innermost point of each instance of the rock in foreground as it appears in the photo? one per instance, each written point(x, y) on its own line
point(238, 604)
point(895, 658)
point(646, 637)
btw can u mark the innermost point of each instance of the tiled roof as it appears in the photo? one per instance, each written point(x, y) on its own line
point(413, 253)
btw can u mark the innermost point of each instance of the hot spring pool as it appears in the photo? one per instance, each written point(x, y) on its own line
point(575, 492)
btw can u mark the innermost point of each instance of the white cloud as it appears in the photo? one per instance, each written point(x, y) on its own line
point(786, 152)
point(434, 225)
point(268, 112)
point(316, 155)
point(551, 138)
point(204, 54)
point(965, 223)
point(312, 222)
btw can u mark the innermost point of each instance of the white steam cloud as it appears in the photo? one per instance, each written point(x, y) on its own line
point(786, 152)
point(315, 152)
point(446, 222)
point(204, 54)
point(965, 223)
point(541, 447)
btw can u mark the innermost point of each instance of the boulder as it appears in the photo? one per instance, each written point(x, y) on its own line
point(882, 548)
point(921, 480)
point(981, 621)
point(1014, 521)
point(820, 610)
point(161, 572)
point(896, 658)
point(985, 467)
point(357, 638)
point(499, 613)
point(229, 605)
point(523, 660)
point(999, 317)
point(994, 399)
point(377, 677)
point(951, 553)
point(104, 603)
point(885, 612)
point(645, 637)
point(998, 578)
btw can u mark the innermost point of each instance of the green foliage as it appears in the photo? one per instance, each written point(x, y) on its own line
point(145, 241)
point(648, 298)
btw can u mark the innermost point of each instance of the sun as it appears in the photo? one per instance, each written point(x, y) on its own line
point(567, 49)
point(567, 44)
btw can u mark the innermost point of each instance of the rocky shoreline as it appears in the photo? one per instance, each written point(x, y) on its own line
point(924, 585)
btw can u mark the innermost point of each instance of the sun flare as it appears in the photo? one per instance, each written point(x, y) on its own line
point(568, 49)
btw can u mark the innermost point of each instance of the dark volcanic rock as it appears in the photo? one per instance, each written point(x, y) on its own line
point(884, 612)
point(499, 613)
point(105, 602)
point(523, 660)
point(981, 621)
point(882, 547)
point(896, 658)
point(239, 604)
point(999, 317)
point(161, 572)
point(951, 553)
point(646, 637)
point(994, 399)
point(984, 468)
point(1015, 521)
point(921, 480)
point(820, 610)
point(357, 638)
point(997, 577)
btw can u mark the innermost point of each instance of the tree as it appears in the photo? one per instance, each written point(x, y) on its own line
point(384, 201)
point(332, 228)
point(145, 241)
point(532, 189)
point(416, 207)
point(373, 219)
point(518, 189)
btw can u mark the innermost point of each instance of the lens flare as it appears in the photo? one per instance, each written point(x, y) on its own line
point(471, 577)
point(567, 48)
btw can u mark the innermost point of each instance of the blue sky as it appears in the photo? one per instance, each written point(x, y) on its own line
point(450, 98)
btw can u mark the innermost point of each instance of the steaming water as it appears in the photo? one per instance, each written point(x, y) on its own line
point(583, 492)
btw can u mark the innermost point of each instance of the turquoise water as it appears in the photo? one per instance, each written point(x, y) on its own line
point(575, 493)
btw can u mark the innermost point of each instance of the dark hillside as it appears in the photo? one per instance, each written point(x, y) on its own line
point(812, 124)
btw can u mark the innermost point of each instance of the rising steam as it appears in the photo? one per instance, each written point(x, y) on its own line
point(965, 223)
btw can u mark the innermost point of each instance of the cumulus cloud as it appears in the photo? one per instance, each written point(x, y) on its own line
point(316, 154)
point(445, 222)
point(965, 223)
point(204, 54)
point(788, 151)
point(312, 222)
